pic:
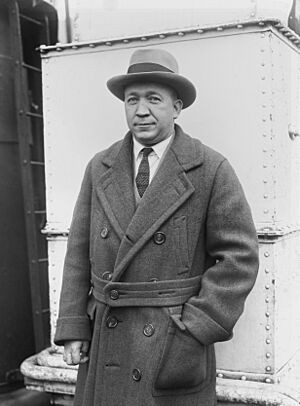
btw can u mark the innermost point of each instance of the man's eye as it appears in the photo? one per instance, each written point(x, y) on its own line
point(131, 100)
point(154, 99)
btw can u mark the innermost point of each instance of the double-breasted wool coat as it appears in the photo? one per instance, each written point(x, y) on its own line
point(153, 287)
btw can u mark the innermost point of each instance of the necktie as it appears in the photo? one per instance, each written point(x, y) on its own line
point(142, 177)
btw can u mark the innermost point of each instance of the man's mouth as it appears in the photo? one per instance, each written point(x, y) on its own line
point(142, 125)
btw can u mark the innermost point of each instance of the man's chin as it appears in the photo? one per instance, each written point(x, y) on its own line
point(145, 137)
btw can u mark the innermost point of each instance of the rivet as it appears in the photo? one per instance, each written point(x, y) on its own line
point(74, 47)
point(92, 45)
point(265, 166)
point(262, 35)
point(125, 41)
point(239, 26)
point(144, 39)
point(220, 376)
point(161, 36)
point(243, 378)
point(263, 78)
point(268, 369)
point(262, 64)
point(265, 196)
point(268, 380)
point(252, 15)
point(180, 34)
point(264, 135)
point(268, 341)
point(266, 211)
point(267, 286)
point(267, 254)
point(267, 270)
point(261, 23)
point(268, 355)
point(267, 314)
point(219, 29)
point(58, 49)
point(267, 300)
point(268, 327)
point(108, 44)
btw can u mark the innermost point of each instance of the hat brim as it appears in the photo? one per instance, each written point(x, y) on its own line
point(184, 88)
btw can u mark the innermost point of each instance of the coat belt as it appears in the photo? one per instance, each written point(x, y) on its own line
point(158, 294)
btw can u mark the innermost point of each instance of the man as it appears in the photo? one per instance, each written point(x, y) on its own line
point(161, 255)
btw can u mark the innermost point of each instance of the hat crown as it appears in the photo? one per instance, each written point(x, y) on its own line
point(150, 57)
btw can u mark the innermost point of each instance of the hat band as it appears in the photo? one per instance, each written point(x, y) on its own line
point(147, 67)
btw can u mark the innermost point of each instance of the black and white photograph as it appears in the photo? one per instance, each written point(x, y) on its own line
point(150, 202)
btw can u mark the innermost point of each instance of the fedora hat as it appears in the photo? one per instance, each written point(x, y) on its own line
point(154, 65)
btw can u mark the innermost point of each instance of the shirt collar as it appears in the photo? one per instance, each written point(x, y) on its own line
point(158, 148)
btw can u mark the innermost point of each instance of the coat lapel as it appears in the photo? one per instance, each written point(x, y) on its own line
point(169, 189)
point(115, 188)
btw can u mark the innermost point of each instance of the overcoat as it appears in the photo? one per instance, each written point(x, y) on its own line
point(153, 287)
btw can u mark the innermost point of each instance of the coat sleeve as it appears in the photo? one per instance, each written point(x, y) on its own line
point(73, 322)
point(231, 241)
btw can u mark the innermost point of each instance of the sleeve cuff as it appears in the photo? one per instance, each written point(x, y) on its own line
point(72, 328)
point(202, 327)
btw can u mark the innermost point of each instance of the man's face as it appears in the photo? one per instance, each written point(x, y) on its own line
point(151, 109)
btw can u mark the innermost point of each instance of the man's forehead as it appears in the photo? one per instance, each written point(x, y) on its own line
point(147, 87)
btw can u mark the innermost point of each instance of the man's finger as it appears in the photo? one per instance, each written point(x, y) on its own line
point(75, 352)
point(69, 359)
point(83, 357)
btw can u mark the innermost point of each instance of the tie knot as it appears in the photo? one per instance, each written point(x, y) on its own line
point(146, 151)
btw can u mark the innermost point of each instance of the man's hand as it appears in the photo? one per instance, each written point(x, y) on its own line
point(75, 352)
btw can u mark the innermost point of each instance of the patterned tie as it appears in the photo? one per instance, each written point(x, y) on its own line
point(142, 177)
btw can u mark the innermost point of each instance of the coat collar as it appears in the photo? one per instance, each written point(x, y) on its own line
point(169, 189)
point(189, 152)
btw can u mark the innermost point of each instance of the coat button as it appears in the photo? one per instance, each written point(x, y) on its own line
point(136, 375)
point(104, 232)
point(114, 294)
point(159, 238)
point(148, 330)
point(112, 322)
point(107, 276)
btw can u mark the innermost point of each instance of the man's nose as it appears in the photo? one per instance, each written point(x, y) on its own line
point(142, 109)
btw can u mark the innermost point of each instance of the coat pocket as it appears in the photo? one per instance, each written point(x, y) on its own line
point(91, 307)
point(183, 367)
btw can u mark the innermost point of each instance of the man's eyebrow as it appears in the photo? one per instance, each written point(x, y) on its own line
point(148, 93)
point(132, 94)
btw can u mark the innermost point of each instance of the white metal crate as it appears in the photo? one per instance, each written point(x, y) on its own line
point(248, 81)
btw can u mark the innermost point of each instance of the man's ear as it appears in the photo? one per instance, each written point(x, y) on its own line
point(177, 108)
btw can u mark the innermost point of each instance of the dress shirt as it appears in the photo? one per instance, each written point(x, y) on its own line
point(155, 158)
